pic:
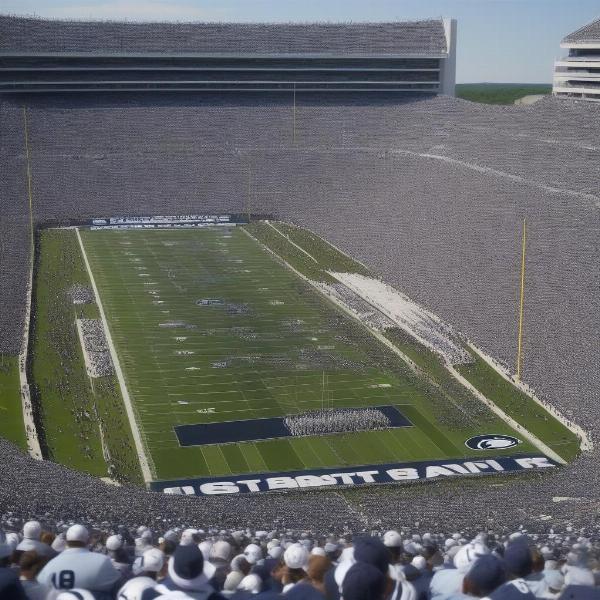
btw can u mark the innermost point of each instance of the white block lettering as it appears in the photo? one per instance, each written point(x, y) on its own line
point(219, 487)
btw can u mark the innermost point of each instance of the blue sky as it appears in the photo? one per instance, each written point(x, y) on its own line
point(498, 40)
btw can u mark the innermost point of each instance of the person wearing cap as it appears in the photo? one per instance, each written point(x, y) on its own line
point(118, 555)
point(143, 543)
point(519, 563)
point(32, 532)
point(145, 569)
point(373, 551)
point(189, 537)
point(220, 555)
point(253, 553)
point(168, 547)
point(332, 551)
point(275, 553)
point(295, 559)
point(446, 582)
point(77, 567)
point(486, 574)
point(268, 567)
point(392, 540)
point(150, 564)
point(250, 585)
point(12, 539)
point(188, 574)
point(239, 568)
point(365, 581)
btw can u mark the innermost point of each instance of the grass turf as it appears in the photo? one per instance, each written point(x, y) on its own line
point(269, 345)
point(521, 407)
point(72, 406)
point(11, 411)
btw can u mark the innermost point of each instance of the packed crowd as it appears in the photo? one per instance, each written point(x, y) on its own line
point(320, 422)
point(81, 294)
point(379, 181)
point(96, 348)
point(72, 562)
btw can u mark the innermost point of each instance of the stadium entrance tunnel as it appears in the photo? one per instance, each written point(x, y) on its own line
point(318, 423)
point(350, 476)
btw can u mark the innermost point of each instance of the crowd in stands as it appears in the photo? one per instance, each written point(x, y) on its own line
point(446, 233)
point(319, 422)
point(96, 347)
point(73, 562)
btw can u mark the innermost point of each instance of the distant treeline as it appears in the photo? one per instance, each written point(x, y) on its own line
point(499, 93)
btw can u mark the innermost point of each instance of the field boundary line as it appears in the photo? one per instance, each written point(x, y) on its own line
point(337, 248)
point(585, 441)
point(324, 293)
point(496, 409)
point(509, 420)
point(137, 438)
point(31, 436)
point(290, 241)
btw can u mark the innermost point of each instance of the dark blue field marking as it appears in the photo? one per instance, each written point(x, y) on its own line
point(350, 476)
point(252, 430)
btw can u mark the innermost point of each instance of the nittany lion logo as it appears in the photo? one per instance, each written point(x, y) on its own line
point(491, 441)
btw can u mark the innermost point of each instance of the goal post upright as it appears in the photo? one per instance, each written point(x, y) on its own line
point(521, 302)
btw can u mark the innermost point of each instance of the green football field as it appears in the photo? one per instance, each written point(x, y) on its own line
point(267, 344)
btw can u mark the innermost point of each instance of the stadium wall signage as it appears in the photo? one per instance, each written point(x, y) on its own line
point(388, 473)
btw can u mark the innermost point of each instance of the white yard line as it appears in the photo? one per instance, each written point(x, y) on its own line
point(322, 289)
point(289, 240)
point(137, 438)
point(31, 436)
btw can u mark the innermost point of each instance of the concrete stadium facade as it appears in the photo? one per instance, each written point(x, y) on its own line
point(577, 75)
point(41, 56)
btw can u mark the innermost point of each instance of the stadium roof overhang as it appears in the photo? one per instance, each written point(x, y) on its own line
point(580, 45)
point(234, 55)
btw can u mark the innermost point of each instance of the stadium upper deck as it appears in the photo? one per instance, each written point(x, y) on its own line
point(578, 74)
point(59, 56)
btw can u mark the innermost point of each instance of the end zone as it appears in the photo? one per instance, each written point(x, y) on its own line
point(350, 476)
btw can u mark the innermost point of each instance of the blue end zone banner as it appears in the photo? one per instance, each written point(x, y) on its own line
point(389, 473)
point(269, 428)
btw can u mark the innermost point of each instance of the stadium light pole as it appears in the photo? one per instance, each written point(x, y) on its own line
point(521, 301)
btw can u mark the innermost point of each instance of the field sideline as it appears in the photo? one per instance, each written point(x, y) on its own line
point(268, 345)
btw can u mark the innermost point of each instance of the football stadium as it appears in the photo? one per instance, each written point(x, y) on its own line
point(277, 307)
